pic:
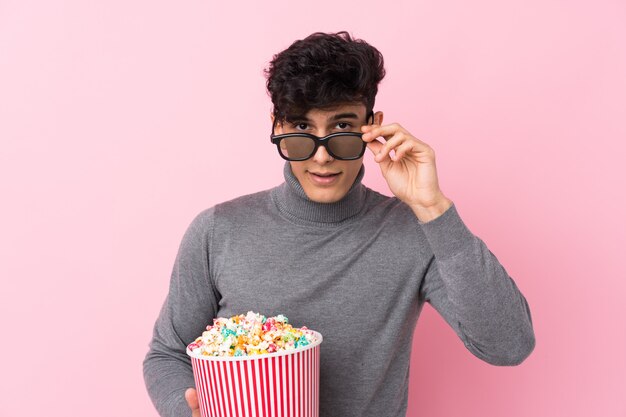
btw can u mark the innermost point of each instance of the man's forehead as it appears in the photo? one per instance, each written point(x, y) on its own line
point(342, 111)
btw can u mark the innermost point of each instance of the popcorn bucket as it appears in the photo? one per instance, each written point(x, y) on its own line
point(280, 384)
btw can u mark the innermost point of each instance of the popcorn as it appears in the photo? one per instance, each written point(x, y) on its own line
point(250, 334)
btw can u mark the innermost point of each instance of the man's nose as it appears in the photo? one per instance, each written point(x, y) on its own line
point(322, 156)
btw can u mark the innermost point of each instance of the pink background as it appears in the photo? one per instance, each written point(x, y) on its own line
point(121, 120)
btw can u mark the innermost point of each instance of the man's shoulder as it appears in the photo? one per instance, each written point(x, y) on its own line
point(390, 211)
point(232, 212)
point(245, 202)
point(240, 209)
point(377, 200)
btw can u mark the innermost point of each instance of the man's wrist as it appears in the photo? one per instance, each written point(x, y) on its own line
point(431, 212)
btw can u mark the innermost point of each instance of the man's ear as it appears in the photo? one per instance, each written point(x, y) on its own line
point(278, 129)
point(378, 118)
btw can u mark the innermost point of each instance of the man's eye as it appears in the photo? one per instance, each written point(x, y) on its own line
point(343, 125)
point(302, 126)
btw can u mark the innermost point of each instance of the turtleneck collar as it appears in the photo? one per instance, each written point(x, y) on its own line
point(293, 202)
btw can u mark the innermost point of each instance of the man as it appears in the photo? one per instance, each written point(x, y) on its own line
point(334, 255)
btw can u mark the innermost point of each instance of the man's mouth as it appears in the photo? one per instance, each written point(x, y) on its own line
point(324, 178)
point(325, 174)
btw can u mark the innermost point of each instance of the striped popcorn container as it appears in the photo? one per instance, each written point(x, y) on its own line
point(280, 384)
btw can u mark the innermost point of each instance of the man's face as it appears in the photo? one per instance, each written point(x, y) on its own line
point(323, 178)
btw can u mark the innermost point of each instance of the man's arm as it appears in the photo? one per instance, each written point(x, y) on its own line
point(191, 305)
point(467, 285)
point(464, 281)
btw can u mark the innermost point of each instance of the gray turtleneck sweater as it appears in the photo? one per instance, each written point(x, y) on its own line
point(358, 271)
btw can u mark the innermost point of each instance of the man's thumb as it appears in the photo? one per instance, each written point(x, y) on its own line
point(192, 398)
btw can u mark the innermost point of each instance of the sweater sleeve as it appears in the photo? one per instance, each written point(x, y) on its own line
point(472, 291)
point(190, 305)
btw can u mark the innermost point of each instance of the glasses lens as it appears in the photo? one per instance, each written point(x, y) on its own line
point(297, 147)
point(349, 146)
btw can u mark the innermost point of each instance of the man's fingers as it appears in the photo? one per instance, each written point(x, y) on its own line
point(375, 146)
point(386, 131)
point(367, 129)
point(192, 399)
point(371, 132)
point(403, 149)
point(393, 142)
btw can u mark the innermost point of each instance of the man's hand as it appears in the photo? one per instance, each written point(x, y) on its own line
point(192, 400)
point(411, 172)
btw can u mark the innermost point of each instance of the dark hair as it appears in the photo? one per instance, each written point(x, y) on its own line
point(323, 70)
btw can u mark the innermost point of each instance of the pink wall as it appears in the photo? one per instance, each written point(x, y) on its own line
point(121, 120)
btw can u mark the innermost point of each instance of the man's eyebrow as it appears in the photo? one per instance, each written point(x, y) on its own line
point(297, 118)
point(345, 116)
point(302, 118)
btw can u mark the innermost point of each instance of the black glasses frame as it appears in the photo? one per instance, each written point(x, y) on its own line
point(319, 141)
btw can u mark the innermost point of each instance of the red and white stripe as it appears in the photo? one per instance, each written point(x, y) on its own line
point(259, 386)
